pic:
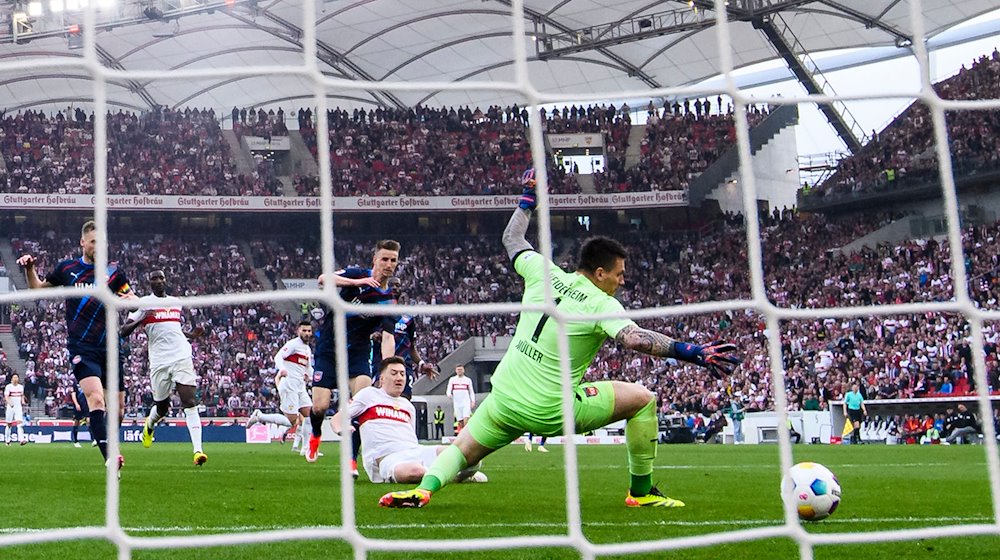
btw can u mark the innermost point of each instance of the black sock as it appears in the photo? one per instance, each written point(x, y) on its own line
point(76, 430)
point(355, 440)
point(317, 423)
point(99, 431)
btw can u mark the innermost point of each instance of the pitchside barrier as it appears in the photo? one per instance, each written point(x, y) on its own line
point(893, 407)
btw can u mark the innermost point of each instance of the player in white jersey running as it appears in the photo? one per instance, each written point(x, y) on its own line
point(13, 396)
point(463, 395)
point(294, 364)
point(388, 422)
point(170, 363)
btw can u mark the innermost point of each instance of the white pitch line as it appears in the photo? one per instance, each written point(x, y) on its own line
point(540, 525)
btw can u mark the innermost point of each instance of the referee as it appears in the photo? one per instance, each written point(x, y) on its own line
point(854, 409)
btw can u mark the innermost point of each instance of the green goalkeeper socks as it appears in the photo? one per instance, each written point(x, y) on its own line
point(444, 469)
point(640, 437)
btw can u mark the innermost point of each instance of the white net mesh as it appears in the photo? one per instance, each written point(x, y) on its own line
point(574, 538)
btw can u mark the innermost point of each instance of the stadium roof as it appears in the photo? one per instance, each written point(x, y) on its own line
point(574, 46)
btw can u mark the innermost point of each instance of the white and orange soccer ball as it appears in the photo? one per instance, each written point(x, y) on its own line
point(813, 489)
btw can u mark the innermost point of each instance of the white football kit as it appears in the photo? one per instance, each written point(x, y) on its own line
point(295, 357)
point(13, 395)
point(463, 395)
point(169, 350)
point(388, 433)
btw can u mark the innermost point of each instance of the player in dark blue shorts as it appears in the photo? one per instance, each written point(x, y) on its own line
point(85, 327)
point(405, 333)
point(366, 286)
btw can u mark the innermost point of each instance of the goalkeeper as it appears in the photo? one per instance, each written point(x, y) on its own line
point(527, 391)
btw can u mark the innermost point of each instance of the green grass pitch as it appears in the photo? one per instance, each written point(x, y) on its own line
point(265, 487)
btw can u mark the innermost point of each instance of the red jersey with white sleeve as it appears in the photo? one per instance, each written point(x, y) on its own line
point(162, 322)
point(295, 357)
point(388, 424)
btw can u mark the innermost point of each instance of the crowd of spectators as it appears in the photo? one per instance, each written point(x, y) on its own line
point(903, 153)
point(418, 151)
point(258, 122)
point(162, 152)
point(429, 152)
point(677, 146)
point(904, 356)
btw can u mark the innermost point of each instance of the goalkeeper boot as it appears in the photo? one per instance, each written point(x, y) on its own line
point(655, 498)
point(200, 458)
point(147, 435)
point(313, 451)
point(415, 498)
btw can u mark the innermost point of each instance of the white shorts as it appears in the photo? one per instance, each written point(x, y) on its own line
point(385, 470)
point(14, 415)
point(462, 411)
point(165, 377)
point(293, 401)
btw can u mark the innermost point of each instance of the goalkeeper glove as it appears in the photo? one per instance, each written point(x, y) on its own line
point(528, 200)
point(713, 356)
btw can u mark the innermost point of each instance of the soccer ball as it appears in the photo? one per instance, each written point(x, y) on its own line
point(813, 489)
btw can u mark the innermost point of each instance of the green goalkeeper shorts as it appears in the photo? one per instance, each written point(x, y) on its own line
point(498, 421)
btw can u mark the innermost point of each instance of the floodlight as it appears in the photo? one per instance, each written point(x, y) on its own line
point(56, 6)
point(34, 9)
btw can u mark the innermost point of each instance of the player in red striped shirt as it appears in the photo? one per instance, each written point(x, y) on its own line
point(389, 447)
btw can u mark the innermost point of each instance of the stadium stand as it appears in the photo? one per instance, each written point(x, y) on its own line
point(902, 155)
point(161, 152)
point(897, 357)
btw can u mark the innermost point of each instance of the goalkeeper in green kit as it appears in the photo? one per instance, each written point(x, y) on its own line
point(527, 393)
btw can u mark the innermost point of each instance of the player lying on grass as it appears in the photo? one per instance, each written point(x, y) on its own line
point(527, 388)
point(389, 447)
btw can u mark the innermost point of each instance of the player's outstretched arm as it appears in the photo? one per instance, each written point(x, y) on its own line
point(716, 357)
point(514, 239)
point(343, 281)
point(30, 274)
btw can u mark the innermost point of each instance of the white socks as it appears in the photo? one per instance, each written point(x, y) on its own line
point(20, 434)
point(278, 419)
point(194, 427)
point(153, 418)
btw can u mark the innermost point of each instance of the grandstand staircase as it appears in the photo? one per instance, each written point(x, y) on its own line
point(10, 261)
point(10, 347)
point(729, 164)
point(287, 187)
point(586, 183)
point(303, 162)
point(241, 156)
point(288, 308)
point(475, 349)
point(633, 153)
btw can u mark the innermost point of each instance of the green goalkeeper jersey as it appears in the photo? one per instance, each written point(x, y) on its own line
point(528, 378)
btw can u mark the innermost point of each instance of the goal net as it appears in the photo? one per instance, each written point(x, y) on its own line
point(574, 537)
